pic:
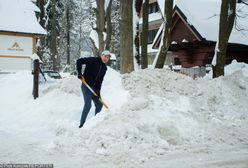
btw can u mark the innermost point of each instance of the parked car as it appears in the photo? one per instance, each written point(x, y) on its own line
point(52, 74)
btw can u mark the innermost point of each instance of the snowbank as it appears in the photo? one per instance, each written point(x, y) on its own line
point(157, 118)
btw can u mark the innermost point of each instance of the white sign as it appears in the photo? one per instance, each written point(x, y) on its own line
point(16, 45)
point(14, 64)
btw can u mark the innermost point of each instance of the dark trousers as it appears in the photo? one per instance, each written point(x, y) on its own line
point(88, 96)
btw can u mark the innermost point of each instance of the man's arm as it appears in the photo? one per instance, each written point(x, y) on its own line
point(99, 86)
point(79, 63)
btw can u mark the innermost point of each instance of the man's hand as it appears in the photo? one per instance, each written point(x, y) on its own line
point(98, 93)
point(80, 76)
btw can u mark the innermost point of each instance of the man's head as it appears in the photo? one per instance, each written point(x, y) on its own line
point(105, 56)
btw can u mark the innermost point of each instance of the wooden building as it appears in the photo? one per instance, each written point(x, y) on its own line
point(19, 32)
point(193, 45)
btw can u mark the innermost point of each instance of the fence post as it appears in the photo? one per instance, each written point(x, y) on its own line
point(36, 78)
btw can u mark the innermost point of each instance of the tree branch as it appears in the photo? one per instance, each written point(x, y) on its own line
point(242, 1)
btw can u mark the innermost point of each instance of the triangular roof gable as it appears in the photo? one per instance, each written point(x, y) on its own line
point(204, 15)
point(179, 21)
point(177, 13)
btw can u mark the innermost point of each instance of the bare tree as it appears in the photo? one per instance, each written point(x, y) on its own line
point(103, 25)
point(54, 37)
point(137, 40)
point(167, 30)
point(227, 17)
point(100, 23)
point(126, 38)
point(144, 35)
point(109, 26)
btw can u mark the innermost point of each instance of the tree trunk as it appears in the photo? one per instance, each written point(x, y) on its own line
point(225, 29)
point(144, 35)
point(54, 36)
point(126, 38)
point(137, 45)
point(68, 28)
point(167, 30)
point(100, 23)
point(109, 26)
point(137, 40)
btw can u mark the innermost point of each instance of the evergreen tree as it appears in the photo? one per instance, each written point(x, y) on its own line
point(115, 42)
point(49, 18)
point(75, 28)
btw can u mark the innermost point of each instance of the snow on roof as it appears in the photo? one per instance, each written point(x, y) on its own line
point(204, 16)
point(19, 16)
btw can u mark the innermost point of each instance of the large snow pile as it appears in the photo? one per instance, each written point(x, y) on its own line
point(157, 118)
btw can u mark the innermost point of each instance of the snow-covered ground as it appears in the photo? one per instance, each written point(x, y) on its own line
point(157, 118)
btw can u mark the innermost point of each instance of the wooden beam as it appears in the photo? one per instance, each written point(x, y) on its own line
point(21, 57)
point(17, 34)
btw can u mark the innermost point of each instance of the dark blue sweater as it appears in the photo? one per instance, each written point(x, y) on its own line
point(94, 71)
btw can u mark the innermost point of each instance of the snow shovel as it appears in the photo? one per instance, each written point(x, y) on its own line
point(94, 93)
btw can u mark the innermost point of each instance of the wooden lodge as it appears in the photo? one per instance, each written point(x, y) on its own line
point(191, 49)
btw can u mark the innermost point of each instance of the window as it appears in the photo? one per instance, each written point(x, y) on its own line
point(153, 7)
point(151, 35)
